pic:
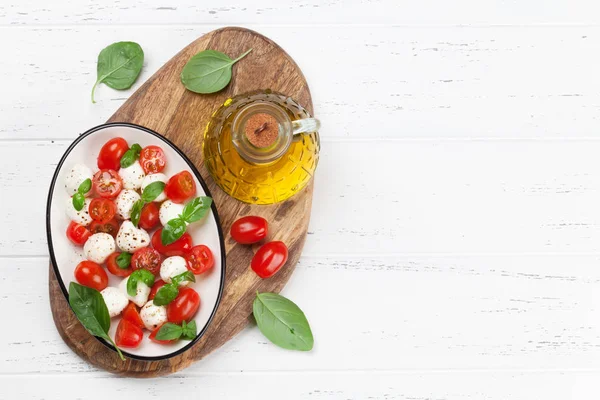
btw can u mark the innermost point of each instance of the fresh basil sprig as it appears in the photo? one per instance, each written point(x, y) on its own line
point(139, 275)
point(152, 191)
point(131, 155)
point(208, 71)
point(119, 65)
point(79, 197)
point(90, 308)
point(282, 322)
point(170, 331)
point(192, 212)
point(167, 293)
point(123, 260)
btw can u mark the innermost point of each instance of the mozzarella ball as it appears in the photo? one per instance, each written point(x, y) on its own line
point(155, 178)
point(132, 176)
point(125, 201)
point(141, 296)
point(75, 178)
point(168, 211)
point(81, 217)
point(115, 300)
point(153, 316)
point(98, 247)
point(130, 238)
point(171, 267)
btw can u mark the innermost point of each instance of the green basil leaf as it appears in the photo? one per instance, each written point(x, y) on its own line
point(196, 209)
point(123, 260)
point(166, 294)
point(90, 308)
point(189, 330)
point(119, 65)
point(85, 186)
point(186, 276)
point(136, 212)
point(282, 322)
point(172, 231)
point(151, 192)
point(169, 331)
point(131, 156)
point(139, 275)
point(78, 201)
point(208, 71)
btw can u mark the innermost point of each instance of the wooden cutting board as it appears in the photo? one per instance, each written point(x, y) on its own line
point(164, 105)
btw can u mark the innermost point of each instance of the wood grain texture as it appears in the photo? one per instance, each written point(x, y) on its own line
point(164, 105)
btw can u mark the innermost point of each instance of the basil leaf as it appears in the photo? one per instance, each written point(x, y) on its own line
point(123, 261)
point(78, 201)
point(136, 212)
point(282, 322)
point(172, 231)
point(169, 331)
point(166, 294)
point(139, 275)
point(196, 209)
point(189, 330)
point(208, 71)
point(131, 155)
point(90, 308)
point(186, 276)
point(119, 65)
point(85, 186)
point(151, 192)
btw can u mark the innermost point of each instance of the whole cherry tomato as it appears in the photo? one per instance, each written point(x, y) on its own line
point(149, 216)
point(269, 259)
point(146, 258)
point(180, 187)
point(200, 259)
point(152, 159)
point(250, 229)
point(92, 275)
point(102, 210)
point(128, 334)
point(113, 267)
point(78, 234)
point(157, 285)
point(111, 227)
point(180, 247)
point(155, 340)
point(131, 314)
point(107, 183)
point(184, 307)
point(111, 153)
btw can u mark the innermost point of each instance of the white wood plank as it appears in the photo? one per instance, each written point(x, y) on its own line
point(367, 82)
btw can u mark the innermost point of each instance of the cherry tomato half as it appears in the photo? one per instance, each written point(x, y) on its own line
point(184, 307)
point(146, 258)
point(157, 285)
point(269, 259)
point(107, 183)
point(152, 159)
point(200, 259)
point(111, 153)
point(111, 227)
point(149, 216)
point(131, 314)
point(102, 210)
point(92, 275)
point(128, 334)
point(78, 234)
point(180, 247)
point(180, 187)
point(250, 229)
point(113, 267)
point(153, 337)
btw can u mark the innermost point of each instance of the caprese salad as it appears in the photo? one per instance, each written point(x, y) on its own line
point(131, 220)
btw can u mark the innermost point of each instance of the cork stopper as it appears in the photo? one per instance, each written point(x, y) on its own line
point(262, 130)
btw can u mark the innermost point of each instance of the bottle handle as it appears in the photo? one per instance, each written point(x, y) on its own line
point(306, 125)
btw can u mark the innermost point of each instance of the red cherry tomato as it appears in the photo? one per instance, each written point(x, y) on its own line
point(78, 234)
point(107, 183)
point(200, 259)
point(128, 334)
point(152, 159)
point(146, 258)
point(92, 275)
point(111, 227)
point(184, 307)
point(131, 314)
point(180, 187)
point(250, 229)
point(149, 216)
point(102, 210)
point(180, 247)
point(153, 337)
point(269, 259)
point(113, 267)
point(157, 285)
point(111, 153)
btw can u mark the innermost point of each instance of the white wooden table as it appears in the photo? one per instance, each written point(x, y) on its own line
point(454, 246)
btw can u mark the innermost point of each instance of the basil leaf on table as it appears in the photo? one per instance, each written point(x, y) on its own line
point(85, 186)
point(152, 191)
point(171, 331)
point(139, 275)
point(173, 230)
point(282, 322)
point(166, 294)
point(131, 155)
point(208, 71)
point(123, 260)
point(119, 65)
point(90, 308)
point(196, 209)
point(78, 201)
point(136, 212)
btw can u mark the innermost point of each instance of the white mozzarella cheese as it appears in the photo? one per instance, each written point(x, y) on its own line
point(115, 300)
point(130, 238)
point(98, 247)
point(153, 316)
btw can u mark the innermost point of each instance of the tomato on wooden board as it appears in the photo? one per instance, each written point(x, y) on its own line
point(155, 340)
point(92, 275)
point(111, 227)
point(128, 334)
point(250, 229)
point(157, 285)
point(146, 258)
point(107, 183)
point(200, 259)
point(184, 307)
point(180, 187)
point(180, 247)
point(152, 159)
point(111, 153)
point(102, 210)
point(131, 314)
point(78, 234)
point(149, 217)
point(113, 267)
point(269, 259)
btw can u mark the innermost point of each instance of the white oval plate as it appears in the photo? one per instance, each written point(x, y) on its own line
point(65, 256)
